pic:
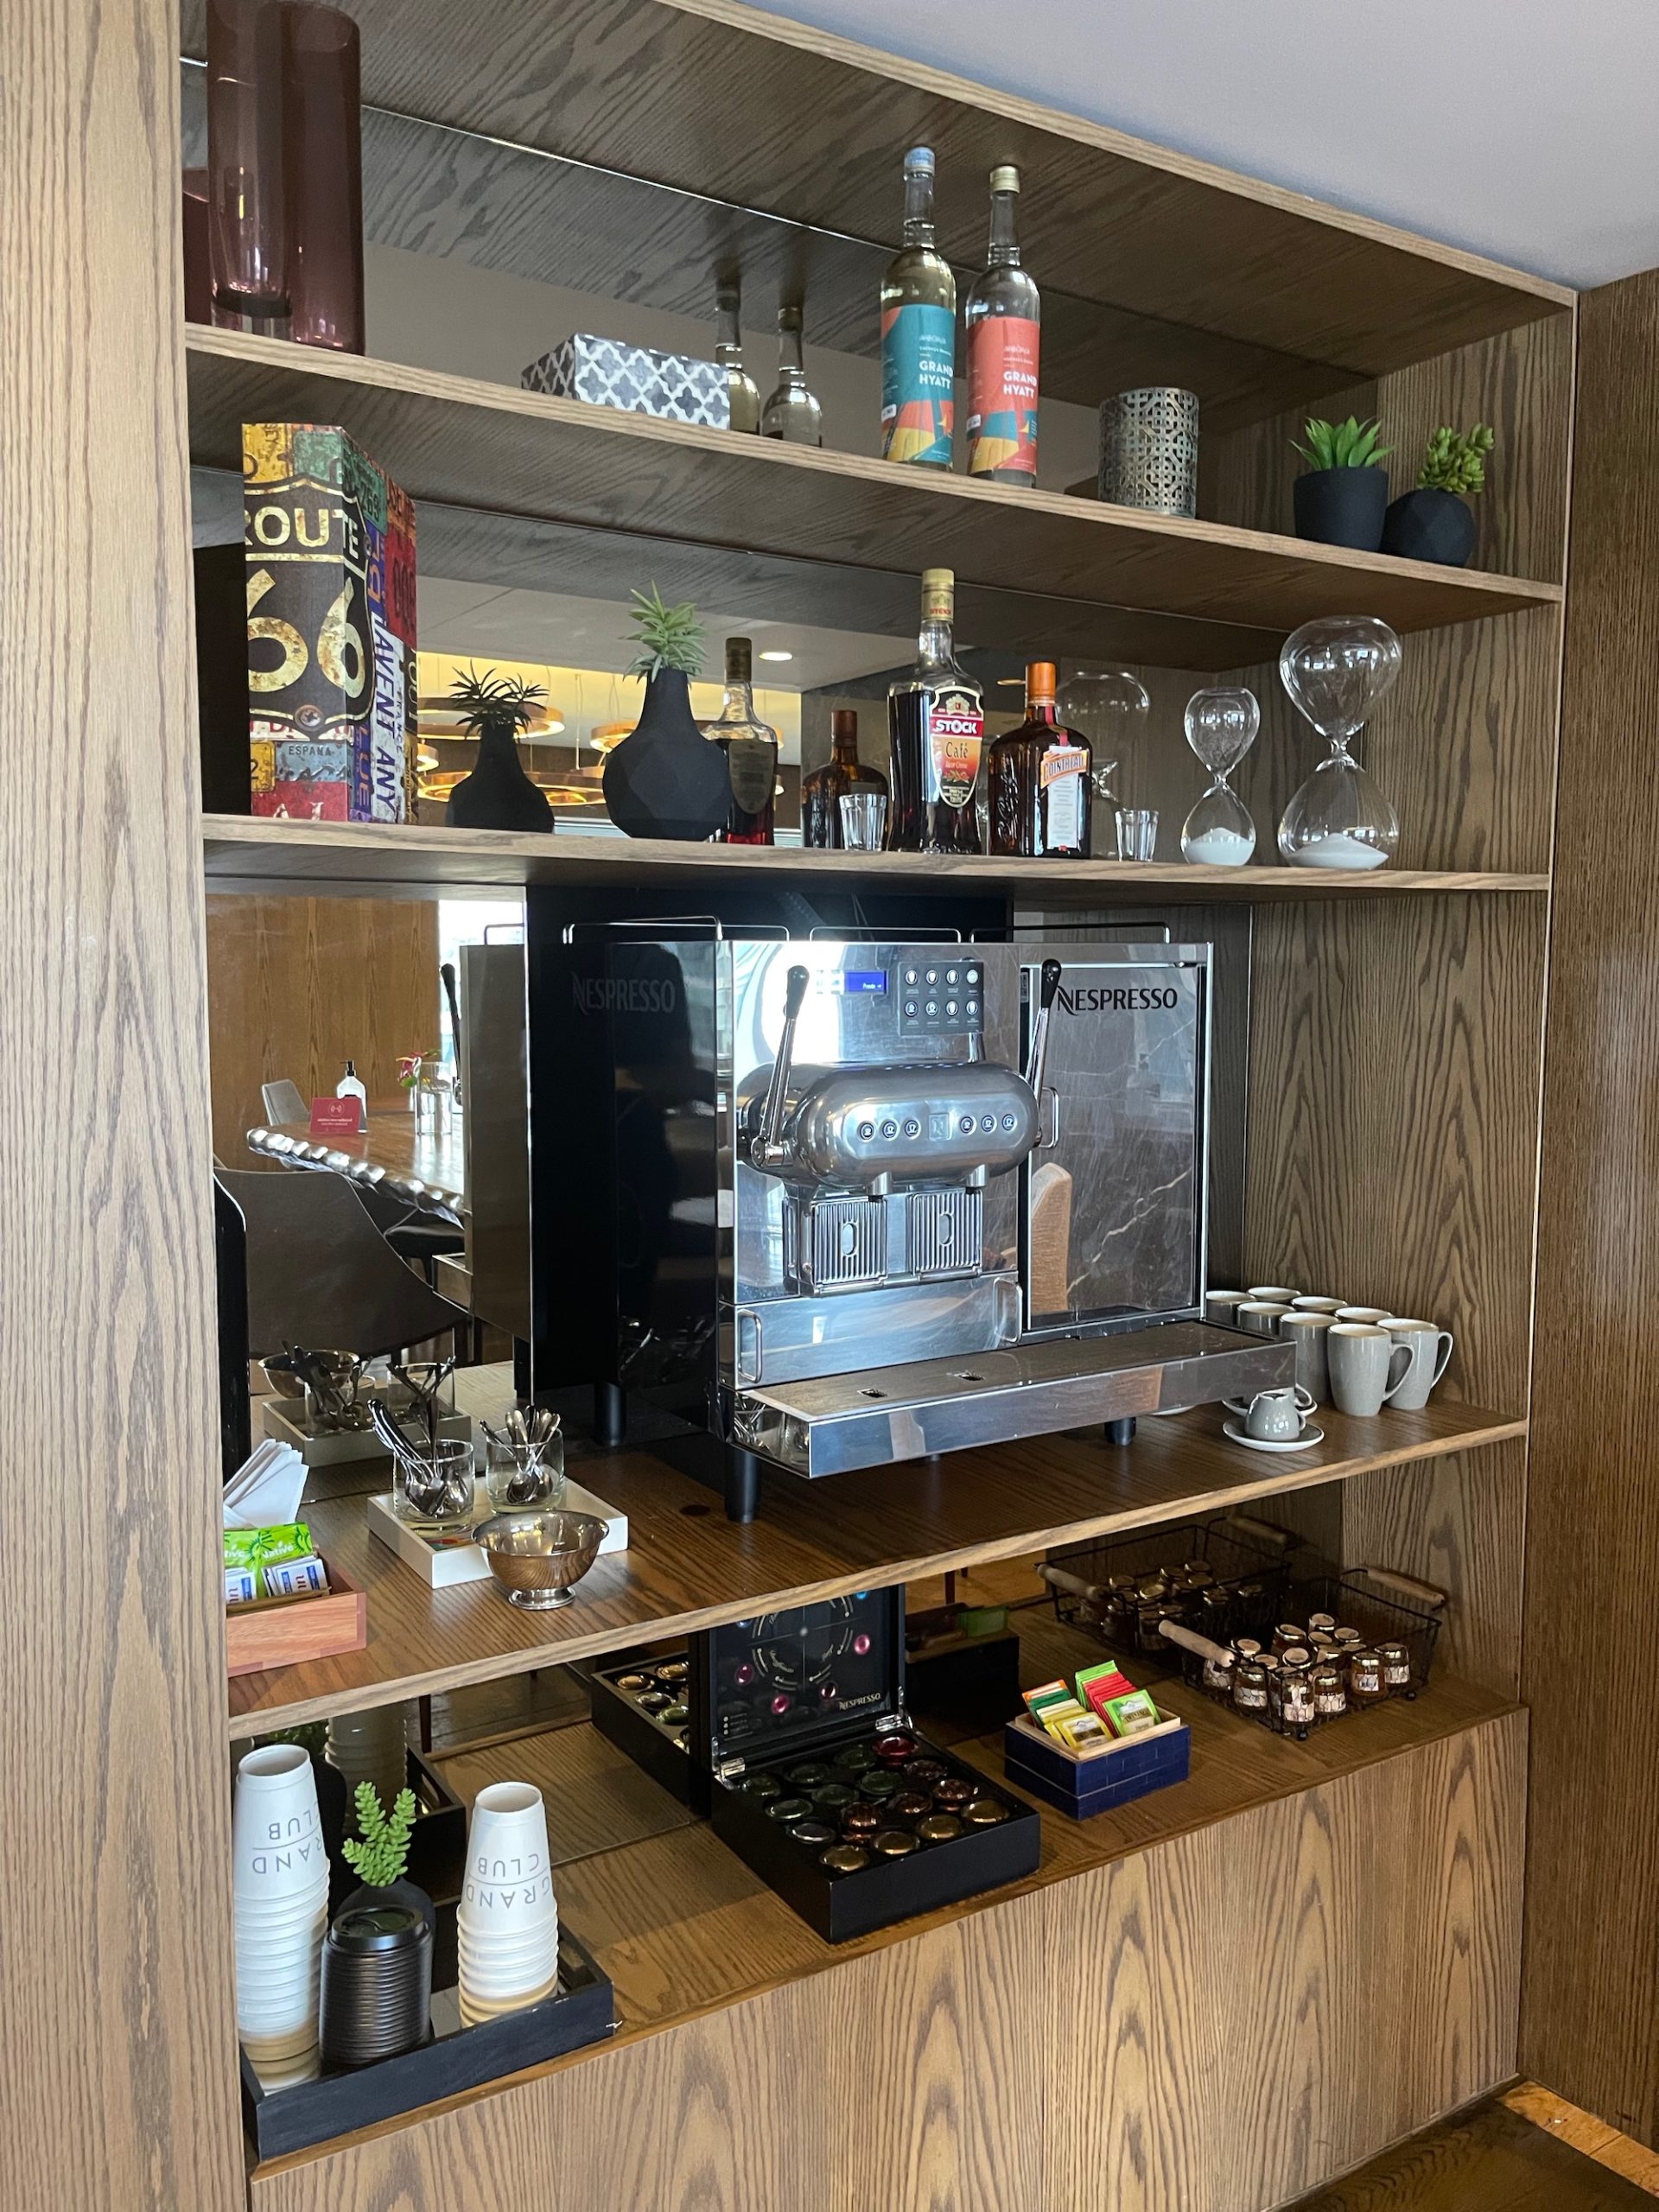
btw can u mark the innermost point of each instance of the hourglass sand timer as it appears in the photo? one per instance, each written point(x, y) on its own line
point(1336, 670)
point(1221, 727)
point(1110, 708)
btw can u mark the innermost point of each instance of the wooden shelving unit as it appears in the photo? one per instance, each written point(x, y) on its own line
point(409, 859)
point(687, 1569)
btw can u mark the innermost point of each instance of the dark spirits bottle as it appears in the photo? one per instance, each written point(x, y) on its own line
point(751, 749)
point(937, 721)
point(843, 772)
point(740, 388)
point(918, 333)
point(1004, 315)
point(791, 413)
point(1037, 779)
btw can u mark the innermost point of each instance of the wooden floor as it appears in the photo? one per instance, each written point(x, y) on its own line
point(1524, 2151)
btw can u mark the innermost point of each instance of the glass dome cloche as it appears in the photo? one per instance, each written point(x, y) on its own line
point(1221, 727)
point(1111, 709)
point(1336, 670)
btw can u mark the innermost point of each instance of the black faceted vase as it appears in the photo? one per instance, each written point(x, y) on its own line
point(1424, 525)
point(377, 1976)
point(666, 779)
point(1342, 506)
point(498, 795)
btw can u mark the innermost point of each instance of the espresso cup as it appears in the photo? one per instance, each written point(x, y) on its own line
point(1275, 1294)
point(1261, 1316)
point(1367, 1366)
point(1331, 1307)
point(1221, 1307)
point(1371, 1316)
point(1430, 1349)
point(1307, 1332)
point(1275, 1416)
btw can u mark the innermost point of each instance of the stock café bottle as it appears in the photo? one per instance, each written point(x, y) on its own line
point(1037, 779)
point(935, 718)
point(843, 772)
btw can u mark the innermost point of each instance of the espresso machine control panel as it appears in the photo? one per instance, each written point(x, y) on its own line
point(942, 996)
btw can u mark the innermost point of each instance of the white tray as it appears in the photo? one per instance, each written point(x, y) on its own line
point(443, 1562)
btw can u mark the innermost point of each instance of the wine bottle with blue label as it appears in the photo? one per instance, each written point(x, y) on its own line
point(918, 333)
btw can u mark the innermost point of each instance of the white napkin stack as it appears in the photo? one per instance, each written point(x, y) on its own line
point(265, 1490)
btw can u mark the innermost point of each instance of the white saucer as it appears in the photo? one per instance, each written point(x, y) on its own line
point(1309, 1437)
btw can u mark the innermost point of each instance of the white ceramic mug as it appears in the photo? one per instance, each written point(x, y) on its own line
point(1367, 1366)
point(1371, 1316)
point(1262, 1316)
point(1221, 1307)
point(1330, 1305)
point(1275, 1416)
point(1307, 1332)
point(1275, 1293)
point(1431, 1350)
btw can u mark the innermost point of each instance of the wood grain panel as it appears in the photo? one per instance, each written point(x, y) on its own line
point(687, 1567)
point(1511, 2155)
point(487, 445)
point(1590, 2022)
point(116, 2012)
point(1082, 2046)
point(806, 124)
point(297, 986)
point(1394, 1085)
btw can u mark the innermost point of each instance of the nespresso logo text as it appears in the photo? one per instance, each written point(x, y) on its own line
point(625, 994)
point(1119, 998)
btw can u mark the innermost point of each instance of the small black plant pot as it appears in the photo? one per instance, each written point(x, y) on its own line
point(1342, 506)
point(666, 779)
point(498, 795)
point(377, 1976)
point(1430, 526)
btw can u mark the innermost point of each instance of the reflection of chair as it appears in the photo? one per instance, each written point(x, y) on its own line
point(320, 1273)
point(282, 1103)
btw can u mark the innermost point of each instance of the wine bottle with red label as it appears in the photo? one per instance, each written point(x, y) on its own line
point(1004, 318)
point(936, 722)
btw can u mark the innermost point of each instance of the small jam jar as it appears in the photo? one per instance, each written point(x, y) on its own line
point(1250, 1686)
point(1218, 1673)
point(1297, 1711)
point(1322, 1623)
point(1396, 1667)
point(1365, 1683)
point(1287, 1637)
point(1330, 1698)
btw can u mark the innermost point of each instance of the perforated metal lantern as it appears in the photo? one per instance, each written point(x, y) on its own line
point(1149, 450)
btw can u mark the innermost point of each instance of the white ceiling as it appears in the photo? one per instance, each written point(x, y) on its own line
point(1528, 129)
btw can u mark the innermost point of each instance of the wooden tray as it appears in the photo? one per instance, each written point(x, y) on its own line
point(280, 1631)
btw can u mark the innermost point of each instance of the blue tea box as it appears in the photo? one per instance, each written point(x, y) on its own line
point(1097, 1779)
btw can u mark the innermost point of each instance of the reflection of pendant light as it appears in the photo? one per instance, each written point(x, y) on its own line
point(606, 736)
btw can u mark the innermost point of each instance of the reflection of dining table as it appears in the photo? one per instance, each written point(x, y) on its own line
point(416, 1161)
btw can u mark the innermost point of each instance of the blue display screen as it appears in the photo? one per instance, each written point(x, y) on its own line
point(864, 979)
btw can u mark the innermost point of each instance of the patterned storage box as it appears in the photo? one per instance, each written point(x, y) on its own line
point(607, 373)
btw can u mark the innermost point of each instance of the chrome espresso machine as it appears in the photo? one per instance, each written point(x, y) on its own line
point(837, 1201)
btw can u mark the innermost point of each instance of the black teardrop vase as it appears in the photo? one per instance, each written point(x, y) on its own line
point(666, 779)
point(498, 795)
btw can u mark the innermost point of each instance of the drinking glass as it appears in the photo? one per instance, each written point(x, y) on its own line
point(434, 1489)
point(1137, 832)
point(863, 820)
point(521, 1476)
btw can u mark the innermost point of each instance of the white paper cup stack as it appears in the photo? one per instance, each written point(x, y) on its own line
point(280, 1890)
point(507, 1927)
point(370, 1747)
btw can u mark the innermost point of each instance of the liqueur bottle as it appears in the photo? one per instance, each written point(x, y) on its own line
point(1037, 779)
point(751, 749)
point(741, 386)
point(1004, 315)
point(918, 333)
point(791, 413)
point(843, 772)
point(937, 721)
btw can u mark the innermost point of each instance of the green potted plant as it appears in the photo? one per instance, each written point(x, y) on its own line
point(376, 1996)
point(498, 795)
point(1435, 521)
point(665, 779)
point(1341, 496)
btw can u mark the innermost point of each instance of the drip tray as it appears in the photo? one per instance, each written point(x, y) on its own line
point(836, 1423)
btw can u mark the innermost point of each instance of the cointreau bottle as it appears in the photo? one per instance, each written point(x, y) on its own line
point(843, 772)
point(936, 719)
point(751, 750)
point(1037, 779)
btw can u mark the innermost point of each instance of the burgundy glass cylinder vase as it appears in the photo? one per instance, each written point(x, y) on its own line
point(198, 254)
point(322, 127)
point(247, 200)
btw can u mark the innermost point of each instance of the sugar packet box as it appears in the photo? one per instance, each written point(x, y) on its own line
point(329, 549)
point(674, 387)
